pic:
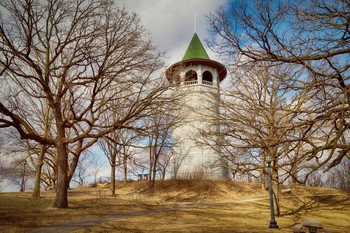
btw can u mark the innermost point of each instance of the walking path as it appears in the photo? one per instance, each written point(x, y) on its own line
point(89, 222)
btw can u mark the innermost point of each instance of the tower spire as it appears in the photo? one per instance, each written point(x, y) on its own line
point(195, 50)
point(196, 54)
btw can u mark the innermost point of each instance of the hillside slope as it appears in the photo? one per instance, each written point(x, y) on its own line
point(198, 191)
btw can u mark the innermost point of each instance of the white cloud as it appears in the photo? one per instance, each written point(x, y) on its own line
point(171, 22)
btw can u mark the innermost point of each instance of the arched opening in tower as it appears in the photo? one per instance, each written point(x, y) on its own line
point(207, 76)
point(191, 75)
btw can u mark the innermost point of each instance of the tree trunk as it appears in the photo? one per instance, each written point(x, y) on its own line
point(74, 163)
point(263, 176)
point(113, 176)
point(61, 200)
point(73, 166)
point(150, 163)
point(275, 188)
point(153, 177)
point(163, 174)
point(36, 193)
point(125, 167)
point(263, 183)
point(150, 172)
point(294, 173)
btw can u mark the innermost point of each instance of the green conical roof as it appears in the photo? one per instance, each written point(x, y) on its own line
point(195, 50)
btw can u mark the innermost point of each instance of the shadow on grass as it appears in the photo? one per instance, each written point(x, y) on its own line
point(306, 204)
point(297, 209)
point(316, 208)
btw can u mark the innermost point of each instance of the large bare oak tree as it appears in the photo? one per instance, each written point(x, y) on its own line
point(79, 56)
point(311, 36)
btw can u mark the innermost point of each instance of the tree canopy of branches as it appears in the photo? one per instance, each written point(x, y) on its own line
point(257, 120)
point(311, 36)
point(80, 57)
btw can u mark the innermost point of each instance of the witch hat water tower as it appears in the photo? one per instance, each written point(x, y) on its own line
point(196, 82)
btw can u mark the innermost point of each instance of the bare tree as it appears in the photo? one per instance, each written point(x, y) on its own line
point(46, 118)
point(159, 127)
point(339, 177)
point(110, 146)
point(95, 167)
point(164, 162)
point(293, 164)
point(18, 170)
point(129, 140)
point(74, 55)
point(257, 120)
point(80, 174)
point(116, 147)
point(177, 161)
point(49, 169)
point(313, 36)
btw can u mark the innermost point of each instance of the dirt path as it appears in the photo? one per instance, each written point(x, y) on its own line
point(89, 222)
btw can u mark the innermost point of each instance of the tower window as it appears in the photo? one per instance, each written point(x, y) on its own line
point(207, 76)
point(191, 76)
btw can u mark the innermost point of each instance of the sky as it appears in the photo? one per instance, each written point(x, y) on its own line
point(172, 23)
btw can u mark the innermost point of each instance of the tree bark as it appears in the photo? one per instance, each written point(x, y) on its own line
point(40, 163)
point(275, 188)
point(151, 163)
point(153, 177)
point(263, 174)
point(113, 176)
point(294, 173)
point(125, 167)
point(72, 167)
point(263, 183)
point(61, 200)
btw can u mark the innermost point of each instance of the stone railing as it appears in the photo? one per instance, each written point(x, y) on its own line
point(194, 82)
point(208, 83)
point(191, 82)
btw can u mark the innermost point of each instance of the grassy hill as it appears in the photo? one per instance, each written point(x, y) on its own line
point(197, 191)
point(20, 213)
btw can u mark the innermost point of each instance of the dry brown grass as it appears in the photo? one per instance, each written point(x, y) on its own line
point(333, 212)
point(182, 191)
point(20, 213)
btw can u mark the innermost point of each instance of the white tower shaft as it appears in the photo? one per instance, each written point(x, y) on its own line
point(197, 149)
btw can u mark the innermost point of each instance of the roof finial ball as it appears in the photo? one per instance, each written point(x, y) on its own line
point(196, 80)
